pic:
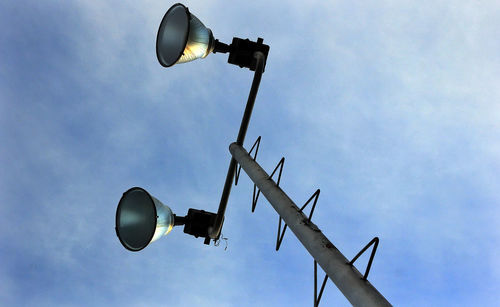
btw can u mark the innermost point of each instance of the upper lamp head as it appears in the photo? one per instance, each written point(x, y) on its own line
point(182, 37)
point(141, 219)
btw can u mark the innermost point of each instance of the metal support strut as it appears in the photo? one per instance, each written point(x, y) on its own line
point(317, 297)
point(280, 238)
point(237, 173)
point(215, 230)
point(374, 240)
point(255, 196)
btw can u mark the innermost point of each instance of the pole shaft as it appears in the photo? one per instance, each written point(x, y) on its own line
point(215, 230)
point(346, 277)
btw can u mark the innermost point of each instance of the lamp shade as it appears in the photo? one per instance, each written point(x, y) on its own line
point(182, 37)
point(141, 219)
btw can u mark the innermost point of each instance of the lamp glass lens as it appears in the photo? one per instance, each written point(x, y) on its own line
point(136, 219)
point(172, 35)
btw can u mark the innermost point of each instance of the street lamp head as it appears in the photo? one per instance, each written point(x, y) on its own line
point(141, 219)
point(182, 37)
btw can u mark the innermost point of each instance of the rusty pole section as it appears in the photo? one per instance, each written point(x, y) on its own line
point(347, 278)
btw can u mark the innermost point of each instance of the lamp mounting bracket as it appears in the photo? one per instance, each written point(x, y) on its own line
point(241, 51)
point(197, 223)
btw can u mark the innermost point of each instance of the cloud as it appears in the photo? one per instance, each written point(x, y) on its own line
point(390, 109)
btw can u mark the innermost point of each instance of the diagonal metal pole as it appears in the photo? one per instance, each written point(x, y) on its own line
point(215, 230)
point(347, 278)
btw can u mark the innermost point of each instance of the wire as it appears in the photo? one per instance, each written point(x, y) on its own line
point(217, 242)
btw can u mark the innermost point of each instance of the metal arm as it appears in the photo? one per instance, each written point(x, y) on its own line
point(215, 230)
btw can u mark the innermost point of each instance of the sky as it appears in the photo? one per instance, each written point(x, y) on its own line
point(391, 108)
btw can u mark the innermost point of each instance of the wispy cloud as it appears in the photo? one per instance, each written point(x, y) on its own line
point(391, 109)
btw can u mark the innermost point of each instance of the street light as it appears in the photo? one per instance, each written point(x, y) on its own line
point(142, 219)
point(181, 38)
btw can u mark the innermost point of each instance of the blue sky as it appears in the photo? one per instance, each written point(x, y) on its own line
point(392, 109)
